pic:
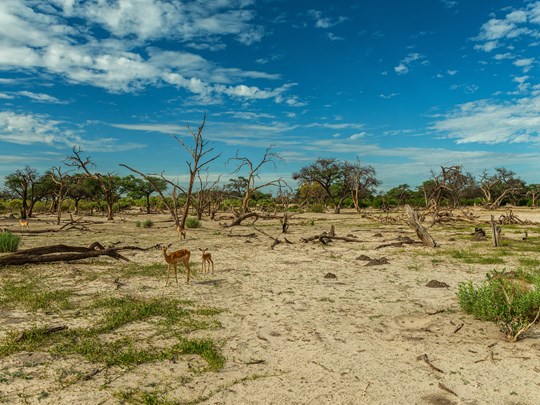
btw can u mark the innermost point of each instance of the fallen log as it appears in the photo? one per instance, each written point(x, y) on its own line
point(64, 253)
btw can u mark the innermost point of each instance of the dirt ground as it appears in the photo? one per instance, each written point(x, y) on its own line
point(290, 333)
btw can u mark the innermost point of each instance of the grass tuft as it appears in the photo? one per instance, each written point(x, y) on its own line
point(9, 242)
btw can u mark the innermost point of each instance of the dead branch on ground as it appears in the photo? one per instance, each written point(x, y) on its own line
point(65, 253)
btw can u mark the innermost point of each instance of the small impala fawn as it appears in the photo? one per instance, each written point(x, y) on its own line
point(173, 258)
point(23, 223)
point(181, 232)
point(206, 260)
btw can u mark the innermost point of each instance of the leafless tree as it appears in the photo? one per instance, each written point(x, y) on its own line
point(199, 152)
point(254, 173)
point(501, 185)
point(64, 183)
point(361, 180)
point(206, 192)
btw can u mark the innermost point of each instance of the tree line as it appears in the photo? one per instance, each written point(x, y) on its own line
point(327, 182)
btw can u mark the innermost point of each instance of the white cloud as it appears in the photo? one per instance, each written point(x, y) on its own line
point(489, 122)
point(34, 39)
point(324, 22)
point(403, 67)
point(333, 37)
point(499, 32)
point(388, 96)
point(525, 63)
point(28, 129)
point(357, 136)
point(41, 97)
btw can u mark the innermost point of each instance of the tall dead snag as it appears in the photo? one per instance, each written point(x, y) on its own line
point(64, 183)
point(413, 222)
point(198, 152)
point(254, 172)
point(495, 232)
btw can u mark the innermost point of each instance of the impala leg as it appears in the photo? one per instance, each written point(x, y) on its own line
point(175, 273)
point(188, 270)
point(168, 270)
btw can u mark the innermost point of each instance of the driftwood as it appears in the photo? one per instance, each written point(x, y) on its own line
point(64, 253)
point(239, 218)
point(399, 243)
point(276, 240)
point(329, 236)
point(412, 221)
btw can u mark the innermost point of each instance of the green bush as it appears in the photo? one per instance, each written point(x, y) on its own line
point(505, 299)
point(316, 208)
point(192, 222)
point(9, 242)
point(148, 223)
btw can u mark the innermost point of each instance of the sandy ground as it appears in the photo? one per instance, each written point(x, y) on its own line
point(292, 336)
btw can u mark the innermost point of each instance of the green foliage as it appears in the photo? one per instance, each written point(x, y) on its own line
point(9, 242)
point(148, 223)
point(192, 222)
point(505, 299)
point(172, 318)
point(32, 296)
point(474, 258)
point(317, 208)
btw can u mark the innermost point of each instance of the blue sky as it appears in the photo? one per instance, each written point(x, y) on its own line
point(403, 86)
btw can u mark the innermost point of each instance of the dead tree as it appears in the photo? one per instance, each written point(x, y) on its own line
point(413, 222)
point(64, 183)
point(199, 152)
point(254, 173)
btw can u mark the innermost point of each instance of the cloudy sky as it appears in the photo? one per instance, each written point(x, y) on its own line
point(403, 86)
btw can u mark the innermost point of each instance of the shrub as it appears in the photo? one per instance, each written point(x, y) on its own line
point(9, 242)
point(192, 222)
point(504, 299)
point(317, 208)
point(148, 223)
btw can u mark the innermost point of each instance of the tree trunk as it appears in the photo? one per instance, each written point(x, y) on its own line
point(148, 203)
point(59, 211)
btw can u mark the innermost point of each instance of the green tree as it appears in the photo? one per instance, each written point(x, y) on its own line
point(143, 188)
point(28, 185)
point(331, 175)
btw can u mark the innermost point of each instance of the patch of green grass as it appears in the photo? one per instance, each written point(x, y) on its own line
point(205, 348)
point(475, 258)
point(174, 316)
point(502, 299)
point(148, 270)
point(529, 262)
point(9, 242)
point(32, 296)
